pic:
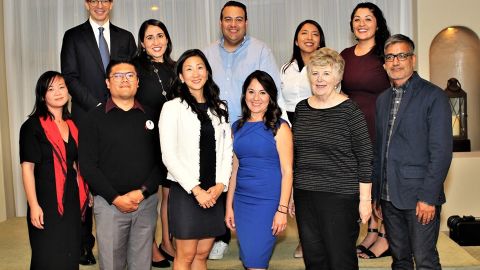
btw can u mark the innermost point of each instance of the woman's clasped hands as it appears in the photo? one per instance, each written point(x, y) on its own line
point(208, 198)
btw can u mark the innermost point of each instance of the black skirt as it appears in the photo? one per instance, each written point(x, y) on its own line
point(187, 220)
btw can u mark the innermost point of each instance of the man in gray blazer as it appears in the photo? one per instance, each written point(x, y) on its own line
point(84, 72)
point(413, 152)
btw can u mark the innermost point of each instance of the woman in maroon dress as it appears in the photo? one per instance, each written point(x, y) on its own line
point(364, 79)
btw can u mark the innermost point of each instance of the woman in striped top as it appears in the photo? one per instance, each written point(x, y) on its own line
point(332, 171)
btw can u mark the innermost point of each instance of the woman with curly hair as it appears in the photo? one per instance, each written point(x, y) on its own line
point(261, 181)
point(364, 79)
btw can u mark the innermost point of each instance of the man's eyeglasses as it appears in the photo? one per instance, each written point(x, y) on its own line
point(399, 56)
point(118, 77)
point(95, 2)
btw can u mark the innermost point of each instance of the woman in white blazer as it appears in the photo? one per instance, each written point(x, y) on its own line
point(196, 147)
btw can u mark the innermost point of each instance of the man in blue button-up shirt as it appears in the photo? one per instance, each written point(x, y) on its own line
point(236, 55)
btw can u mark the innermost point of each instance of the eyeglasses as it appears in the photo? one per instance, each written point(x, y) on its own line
point(118, 77)
point(95, 2)
point(399, 56)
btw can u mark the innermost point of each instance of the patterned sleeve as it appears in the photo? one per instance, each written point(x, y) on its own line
point(361, 145)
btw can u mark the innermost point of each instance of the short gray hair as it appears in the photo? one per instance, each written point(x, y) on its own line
point(327, 57)
point(399, 38)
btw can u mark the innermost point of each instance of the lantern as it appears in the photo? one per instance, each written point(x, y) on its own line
point(458, 105)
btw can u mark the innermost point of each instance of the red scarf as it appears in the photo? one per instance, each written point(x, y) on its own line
point(60, 162)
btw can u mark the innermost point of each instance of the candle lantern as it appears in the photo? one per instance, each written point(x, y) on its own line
point(458, 105)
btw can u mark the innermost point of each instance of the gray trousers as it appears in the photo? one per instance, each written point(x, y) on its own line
point(125, 239)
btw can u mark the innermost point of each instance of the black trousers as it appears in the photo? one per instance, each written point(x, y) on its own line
point(88, 240)
point(328, 228)
point(406, 237)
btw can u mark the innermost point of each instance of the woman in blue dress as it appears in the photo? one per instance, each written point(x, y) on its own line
point(261, 181)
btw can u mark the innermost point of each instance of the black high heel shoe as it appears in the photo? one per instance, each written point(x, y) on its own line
point(165, 254)
point(161, 264)
point(362, 248)
point(371, 255)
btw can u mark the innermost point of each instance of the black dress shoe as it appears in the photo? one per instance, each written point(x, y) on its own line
point(165, 254)
point(87, 258)
point(161, 264)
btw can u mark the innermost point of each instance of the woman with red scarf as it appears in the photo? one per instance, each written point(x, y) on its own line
point(56, 193)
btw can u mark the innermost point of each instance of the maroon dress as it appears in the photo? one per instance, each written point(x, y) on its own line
point(363, 80)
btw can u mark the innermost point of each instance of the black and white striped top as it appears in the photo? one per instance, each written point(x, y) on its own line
point(333, 151)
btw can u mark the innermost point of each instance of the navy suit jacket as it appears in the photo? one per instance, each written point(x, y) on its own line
point(420, 148)
point(82, 66)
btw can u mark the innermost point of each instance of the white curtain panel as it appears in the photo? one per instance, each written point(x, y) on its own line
point(34, 31)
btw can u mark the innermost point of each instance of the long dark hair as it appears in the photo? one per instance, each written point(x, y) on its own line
point(273, 113)
point(211, 92)
point(297, 54)
point(382, 33)
point(40, 108)
point(141, 53)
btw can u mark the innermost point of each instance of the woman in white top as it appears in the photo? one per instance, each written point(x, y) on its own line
point(196, 147)
point(295, 86)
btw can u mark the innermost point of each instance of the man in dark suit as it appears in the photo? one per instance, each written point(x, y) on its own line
point(86, 51)
point(81, 58)
point(413, 152)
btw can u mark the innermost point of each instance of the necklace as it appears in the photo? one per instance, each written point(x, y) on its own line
point(164, 93)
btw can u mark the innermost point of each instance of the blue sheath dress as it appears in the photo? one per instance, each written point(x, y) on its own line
point(257, 192)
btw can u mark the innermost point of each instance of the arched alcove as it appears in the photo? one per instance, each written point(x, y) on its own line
point(455, 53)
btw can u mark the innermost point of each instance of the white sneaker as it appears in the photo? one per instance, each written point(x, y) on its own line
point(218, 250)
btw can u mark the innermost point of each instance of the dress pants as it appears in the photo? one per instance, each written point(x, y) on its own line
point(406, 237)
point(125, 239)
point(88, 240)
point(328, 229)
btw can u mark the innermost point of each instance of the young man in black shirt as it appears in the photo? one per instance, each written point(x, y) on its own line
point(119, 161)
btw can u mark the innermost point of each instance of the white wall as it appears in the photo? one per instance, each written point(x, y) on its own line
point(461, 187)
point(435, 15)
point(462, 183)
point(432, 17)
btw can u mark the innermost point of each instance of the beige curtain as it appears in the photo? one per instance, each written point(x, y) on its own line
point(34, 31)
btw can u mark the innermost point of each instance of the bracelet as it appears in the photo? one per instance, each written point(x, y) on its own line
point(283, 212)
point(365, 199)
point(281, 205)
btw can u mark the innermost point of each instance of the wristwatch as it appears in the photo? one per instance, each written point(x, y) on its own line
point(145, 192)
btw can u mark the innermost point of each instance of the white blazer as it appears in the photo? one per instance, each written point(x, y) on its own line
point(179, 130)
